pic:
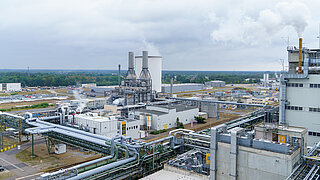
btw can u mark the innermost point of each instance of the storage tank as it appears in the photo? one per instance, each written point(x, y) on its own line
point(155, 69)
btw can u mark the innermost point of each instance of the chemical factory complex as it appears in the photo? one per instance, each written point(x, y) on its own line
point(143, 129)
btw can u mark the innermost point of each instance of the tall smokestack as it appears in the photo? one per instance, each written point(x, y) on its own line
point(119, 78)
point(131, 74)
point(300, 56)
point(131, 63)
point(144, 59)
point(145, 74)
point(171, 87)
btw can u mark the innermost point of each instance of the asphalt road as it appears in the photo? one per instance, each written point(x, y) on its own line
point(21, 170)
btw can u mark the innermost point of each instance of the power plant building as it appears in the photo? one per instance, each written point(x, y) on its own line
point(300, 91)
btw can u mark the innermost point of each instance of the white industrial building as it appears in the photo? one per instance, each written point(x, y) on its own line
point(300, 92)
point(155, 69)
point(273, 153)
point(10, 87)
point(165, 116)
point(96, 103)
point(90, 85)
point(182, 87)
point(106, 126)
point(215, 84)
point(130, 128)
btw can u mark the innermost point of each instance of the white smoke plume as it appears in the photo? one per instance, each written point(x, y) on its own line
point(241, 28)
point(150, 47)
point(82, 103)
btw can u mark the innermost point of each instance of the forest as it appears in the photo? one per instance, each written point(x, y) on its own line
point(106, 78)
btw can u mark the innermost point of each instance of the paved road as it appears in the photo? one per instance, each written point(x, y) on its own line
point(21, 170)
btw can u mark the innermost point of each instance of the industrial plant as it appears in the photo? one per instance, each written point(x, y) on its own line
point(143, 129)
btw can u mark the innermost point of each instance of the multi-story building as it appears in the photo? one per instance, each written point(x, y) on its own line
point(300, 91)
point(10, 87)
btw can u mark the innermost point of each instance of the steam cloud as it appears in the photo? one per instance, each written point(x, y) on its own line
point(150, 47)
point(82, 103)
point(241, 28)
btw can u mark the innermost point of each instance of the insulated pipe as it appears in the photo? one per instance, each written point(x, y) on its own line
point(103, 168)
point(183, 130)
point(300, 56)
point(160, 140)
point(74, 130)
point(62, 171)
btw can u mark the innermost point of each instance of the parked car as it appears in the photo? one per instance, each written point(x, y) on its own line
point(1, 168)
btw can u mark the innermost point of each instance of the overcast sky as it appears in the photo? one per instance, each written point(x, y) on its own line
point(190, 35)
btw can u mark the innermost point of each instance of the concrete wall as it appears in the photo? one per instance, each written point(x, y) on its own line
point(304, 97)
point(253, 164)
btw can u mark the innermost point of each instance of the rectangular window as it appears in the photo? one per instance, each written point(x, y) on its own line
point(296, 108)
point(314, 134)
point(310, 133)
point(300, 108)
point(318, 134)
point(311, 85)
point(300, 85)
point(315, 85)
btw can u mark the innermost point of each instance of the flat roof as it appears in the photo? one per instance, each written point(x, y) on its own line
point(178, 107)
point(152, 112)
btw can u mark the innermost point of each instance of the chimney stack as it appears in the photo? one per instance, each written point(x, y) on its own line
point(131, 74)
point(300, 56)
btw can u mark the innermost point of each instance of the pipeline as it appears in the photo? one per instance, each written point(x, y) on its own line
point(104, 168)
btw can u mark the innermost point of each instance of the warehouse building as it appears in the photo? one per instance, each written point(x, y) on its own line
point(165, 116)
point(182, 87)
point(10, 87)
point(215, 84)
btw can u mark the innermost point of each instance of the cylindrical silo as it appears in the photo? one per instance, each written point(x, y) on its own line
point(155, 69)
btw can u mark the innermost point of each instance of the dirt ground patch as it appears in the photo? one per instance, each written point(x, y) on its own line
point(44, 161)
point(5, 174)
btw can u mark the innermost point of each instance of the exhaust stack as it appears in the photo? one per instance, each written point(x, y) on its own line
point(131, 74)
point(300, 56)
point(145, 74)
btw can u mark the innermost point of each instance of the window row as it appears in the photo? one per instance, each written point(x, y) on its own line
point(313, 133)
point(132, 127)
point(314, 109)
point(294, 85)
point(314, 85)
point(296, 108)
